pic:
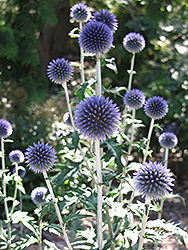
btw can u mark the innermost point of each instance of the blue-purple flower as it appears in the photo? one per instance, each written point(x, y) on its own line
point(67, 119)
point(97, 117)
point(20, 170)
point(16, 156)
point(5, 128)
point(134, 99)
point(153, 180)
point(168, 140)
point(40, 157)
point(60, 71)
point(156, 107)
point(106, 17)
point(134, 42)
point(38, 195)
point(95, 37)
point(80, 12)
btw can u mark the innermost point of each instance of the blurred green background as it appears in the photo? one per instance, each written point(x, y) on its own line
point(33, 32)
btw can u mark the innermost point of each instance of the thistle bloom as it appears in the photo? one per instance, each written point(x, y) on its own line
point(60, 71)
point(40, 157)
point(134, 99)
point(156, 107)
point(153, 180)
point(168, 140)
point(38, 195)
point(134, 42)
point(16, 156)
point(95, 37)
point(21, 171)
point(106, 17)
point(5, 128)
point(97, 117)
point(66, 119)
point(80, 12)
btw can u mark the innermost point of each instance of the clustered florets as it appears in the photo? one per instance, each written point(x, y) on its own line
point(153, 180)
point(156, 107)
point(134, 42)
point(80, 12)
point(5, 128)
point(16, 156)
point(106, 17)
point(97, 117)
point(38, 195)
point(168, 140)
point(60, 71)
point(40, 157)
point(134, 99)
point(95, 37)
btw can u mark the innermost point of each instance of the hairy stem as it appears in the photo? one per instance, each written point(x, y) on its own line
point(98, 76)
point(99, 193)
point(57, 210)
point(82, 59)
point(131, 72)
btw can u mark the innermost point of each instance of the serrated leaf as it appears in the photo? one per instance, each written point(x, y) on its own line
point(75, 139)
point(107, 175)
point(72, 217)
point(73, 33)
point(81, 91)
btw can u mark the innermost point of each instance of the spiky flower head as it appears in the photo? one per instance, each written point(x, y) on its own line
point(156, 107)
point(16, 156)
point(80, 12)
point(106, 17)
point(60, 71)
point(134, 99)
point(5, 128)
point(153, 180)
point(21, 171)
point(97, 117)
point(134, 42)
point(40, 157)
point(67, 119)
point(38, 195)
point(95, 37)
point(168, 140)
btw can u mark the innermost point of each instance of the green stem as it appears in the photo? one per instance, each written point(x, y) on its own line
point(5, 193)
point(166, 156)
point(131, 72)
point(40, 229)
point(99, 193)
point(57, 210)
point(15, 190)
point(81, 59)
point(98, 76)
point(112, 247)
point(148, 139)
point(144, 221)
point(20, 205)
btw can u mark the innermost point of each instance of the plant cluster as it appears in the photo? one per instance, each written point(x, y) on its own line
point(94, 168)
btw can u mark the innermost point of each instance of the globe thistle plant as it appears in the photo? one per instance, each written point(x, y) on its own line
point(38, 195)
point(134, 99)
point(21, 171)
point(168, 140)
point(80, 12)
point(134, 42)
point(5, 128)
point(16, 156)
point(106, 17)
point(60, 71)
point(67, 119)
point(153, 180)
point(97, 117)
point(95, 37)
point(40, 157)
point(156, 107)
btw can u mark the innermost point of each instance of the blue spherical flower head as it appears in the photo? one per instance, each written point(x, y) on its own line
point(80, 12)
point(60, 71)
point(16, 156)
point(21, 171)
point(106, 17)
point(38, 195)
point(134, 99)
point(95, 37)
point(168, 140)
point(97, 117)
point(40, 157)
point(134, 42)
point(153, 180)
point(156, 107)
point(5, 128)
